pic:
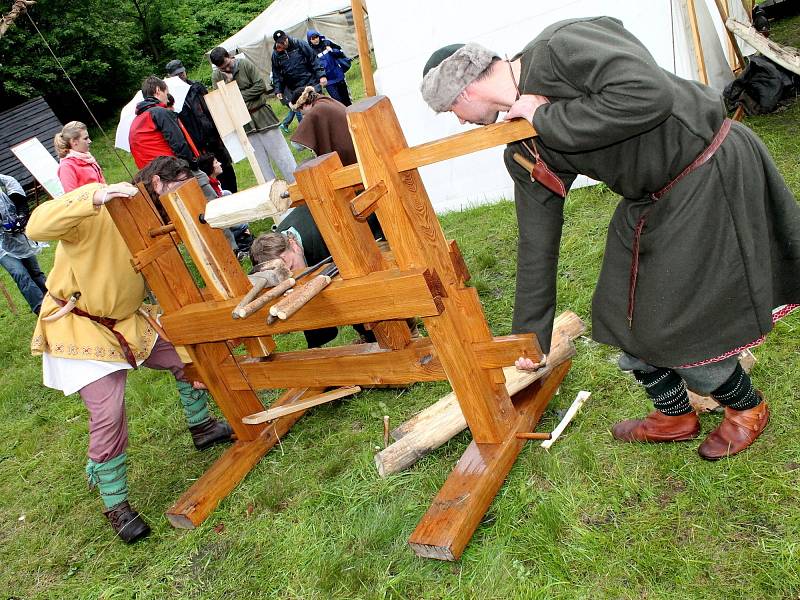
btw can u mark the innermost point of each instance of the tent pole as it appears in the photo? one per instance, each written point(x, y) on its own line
point(702, 74)
point(363, 46)
point(732, 43)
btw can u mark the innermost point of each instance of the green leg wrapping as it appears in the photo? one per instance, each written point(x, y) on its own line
point(111, 477)
point(194, 402)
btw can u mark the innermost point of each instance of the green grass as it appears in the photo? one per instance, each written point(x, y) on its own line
point(590, 519)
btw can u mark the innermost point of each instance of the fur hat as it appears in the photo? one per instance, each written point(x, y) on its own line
point(451, 69)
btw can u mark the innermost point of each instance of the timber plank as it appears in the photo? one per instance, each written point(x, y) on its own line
point(458, 508)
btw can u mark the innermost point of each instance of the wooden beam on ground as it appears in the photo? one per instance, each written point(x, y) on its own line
point(382, 296)
point(458, 508)
point(440, 422)
point(206, 493)
point(274, 412)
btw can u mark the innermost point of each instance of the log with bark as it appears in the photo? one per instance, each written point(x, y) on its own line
point(786, 56)
point(441, 421)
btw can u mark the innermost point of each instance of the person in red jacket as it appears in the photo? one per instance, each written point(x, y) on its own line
point(77, 166)
point(156, 130)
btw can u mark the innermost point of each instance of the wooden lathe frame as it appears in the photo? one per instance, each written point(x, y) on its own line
point(426, 279)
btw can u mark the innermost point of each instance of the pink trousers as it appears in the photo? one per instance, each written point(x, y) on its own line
point(105, 401)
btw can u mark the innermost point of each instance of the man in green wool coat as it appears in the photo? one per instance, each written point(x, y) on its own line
point(703, 251)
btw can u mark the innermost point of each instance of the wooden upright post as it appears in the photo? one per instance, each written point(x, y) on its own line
point(363, 46)
point(351, 244)
point(413, 231)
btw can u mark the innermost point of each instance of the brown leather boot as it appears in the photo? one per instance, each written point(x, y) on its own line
point(738, 430)
point(658, 427)
point(210, 433)
point(126, 522)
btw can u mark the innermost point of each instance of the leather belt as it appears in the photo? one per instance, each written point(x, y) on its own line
point(701, 159)
point(106, 322)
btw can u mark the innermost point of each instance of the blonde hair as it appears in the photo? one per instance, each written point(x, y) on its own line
point(70, 131)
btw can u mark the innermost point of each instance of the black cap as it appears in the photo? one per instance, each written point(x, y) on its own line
point(279, 35)
point(175, 67)
point(438, 56)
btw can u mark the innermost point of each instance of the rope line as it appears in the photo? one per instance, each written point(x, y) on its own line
point(91, 114)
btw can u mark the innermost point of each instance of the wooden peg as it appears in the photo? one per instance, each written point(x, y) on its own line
point(534, 435)
point(164, 229)
point(363, 205)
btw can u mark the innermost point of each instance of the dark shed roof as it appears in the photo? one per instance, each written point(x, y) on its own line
point(33, 118)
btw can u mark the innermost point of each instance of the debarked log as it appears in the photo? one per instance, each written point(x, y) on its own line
point(443, 420)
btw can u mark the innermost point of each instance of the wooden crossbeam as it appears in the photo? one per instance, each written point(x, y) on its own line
point(367, 364)
point(383, 295)
point(429, 153)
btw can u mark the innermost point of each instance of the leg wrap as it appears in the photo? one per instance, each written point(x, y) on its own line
point(667, 390)
point(111, 477)
point(194, 402)
point(737, 392)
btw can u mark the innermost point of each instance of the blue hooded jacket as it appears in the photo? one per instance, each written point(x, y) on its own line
point(328, 53)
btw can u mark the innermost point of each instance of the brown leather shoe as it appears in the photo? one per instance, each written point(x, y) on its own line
point(658, 427)
point(738, 430)
point(126, 522)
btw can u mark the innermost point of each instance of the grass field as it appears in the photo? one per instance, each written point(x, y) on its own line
point(592, 518)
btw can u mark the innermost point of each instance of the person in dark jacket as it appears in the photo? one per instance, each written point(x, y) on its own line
point(197, 119)
point(703, 251)
point(156, 131)
point(294, 66)
point(330, 54)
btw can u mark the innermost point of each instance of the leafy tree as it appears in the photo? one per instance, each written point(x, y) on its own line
point(108, 47)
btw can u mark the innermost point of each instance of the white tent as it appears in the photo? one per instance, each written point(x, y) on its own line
point(406, 33)
point(332, 18)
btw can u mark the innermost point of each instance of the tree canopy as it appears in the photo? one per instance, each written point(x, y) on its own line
point(109, 47)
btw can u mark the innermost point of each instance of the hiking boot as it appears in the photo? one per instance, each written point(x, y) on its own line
point(658, 427)
point(211, 432)
point(127, 523)
point(739, 429)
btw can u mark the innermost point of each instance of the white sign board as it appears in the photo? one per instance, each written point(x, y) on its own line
point(41, 164)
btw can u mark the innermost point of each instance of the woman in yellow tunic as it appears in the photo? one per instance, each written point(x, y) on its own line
point(91, 348)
